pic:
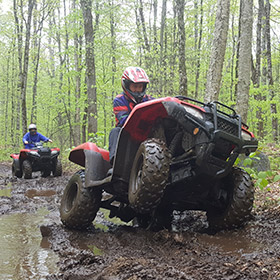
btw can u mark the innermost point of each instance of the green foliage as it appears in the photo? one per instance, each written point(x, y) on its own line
point(61, 96)
point(261, 178)
point(5, 152)
point(97, 138)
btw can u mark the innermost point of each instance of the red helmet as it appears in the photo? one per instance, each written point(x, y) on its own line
point(134, 75)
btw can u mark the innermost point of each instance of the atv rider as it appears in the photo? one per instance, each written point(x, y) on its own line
point(134, 81)
point(33, 136)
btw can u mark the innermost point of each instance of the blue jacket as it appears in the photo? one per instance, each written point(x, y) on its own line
point(123, 107)
point(33, 138)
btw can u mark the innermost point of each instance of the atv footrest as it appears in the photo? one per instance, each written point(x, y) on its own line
point(99, 183)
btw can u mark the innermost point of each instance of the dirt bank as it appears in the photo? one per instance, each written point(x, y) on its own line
point(112, 250)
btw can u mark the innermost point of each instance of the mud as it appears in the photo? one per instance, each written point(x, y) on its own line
point(112, 250)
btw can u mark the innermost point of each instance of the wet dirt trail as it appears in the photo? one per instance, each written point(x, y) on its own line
point(35, 245)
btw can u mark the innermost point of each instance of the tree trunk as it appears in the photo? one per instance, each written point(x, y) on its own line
point(35, 61)
point(90, 64)
point(257, 71)
point(233, 55)
point(183, 87)
point(7, 99)
point(19, 35)
point(198, 39)
point(142, 19)
point(155, 8)
point(162, 63)
point(273, 108)
point(60, 119)
point(244, 63)
point(173, 56)
point(15, 113)
point(78, 69)
point(114, 50)
point(218, 50)
point(25, 66)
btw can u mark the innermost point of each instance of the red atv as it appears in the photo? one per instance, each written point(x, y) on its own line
point(173, 153)
point(39, 158)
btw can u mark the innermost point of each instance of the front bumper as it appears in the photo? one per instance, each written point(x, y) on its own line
point(218, 156)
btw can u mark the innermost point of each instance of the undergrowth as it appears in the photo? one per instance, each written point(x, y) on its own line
point(264, 177)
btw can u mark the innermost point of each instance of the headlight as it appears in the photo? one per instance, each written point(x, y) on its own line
point(246, 136)
point(54, 153)
point(194, 112)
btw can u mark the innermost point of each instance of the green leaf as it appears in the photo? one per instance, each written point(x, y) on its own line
point(262, 183)
point(237, 161)
point(262, 174)
point(252, 155)
point(276, 178)
point(247, 161)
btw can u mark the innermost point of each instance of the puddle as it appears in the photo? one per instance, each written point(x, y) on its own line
point(231, 243)
point(103, 221)
point(101, 227)
point(33, 193)
point(96, 251)
point(6, 192)
point(85, 244)
point(24, 255)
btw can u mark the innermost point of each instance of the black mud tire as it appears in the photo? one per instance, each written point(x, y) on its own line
point(27, 169)
point(149, 176)
point(159, 220)
point(58, 169)
point(16, 171)
point(79, 205)
point(45, 173)
point(239, 204)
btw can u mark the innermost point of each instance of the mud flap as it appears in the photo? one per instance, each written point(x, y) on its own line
point(96, 167)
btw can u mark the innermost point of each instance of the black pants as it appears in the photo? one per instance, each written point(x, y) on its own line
point(113, 139)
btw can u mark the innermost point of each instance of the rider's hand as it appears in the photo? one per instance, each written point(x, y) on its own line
point(50, 140)
point(25, 142)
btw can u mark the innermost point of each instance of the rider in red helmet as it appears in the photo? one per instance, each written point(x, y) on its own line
point(132, 77)
point(134, 82)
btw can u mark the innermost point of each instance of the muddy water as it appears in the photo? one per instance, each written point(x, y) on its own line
point(24, 254)
point(112, 250)
point(231, 243)
point(6, 192)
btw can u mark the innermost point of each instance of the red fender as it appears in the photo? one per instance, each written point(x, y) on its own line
point(22, 153)
point(77, 155)
point(142, 117)
point(14, 156)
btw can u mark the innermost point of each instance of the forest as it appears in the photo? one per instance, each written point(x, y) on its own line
point(198, 217)
point(61, 61)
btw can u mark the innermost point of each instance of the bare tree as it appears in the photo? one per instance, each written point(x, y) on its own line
point(38, 21)
point(162, 63)
point(273, 108)
point(244, 59)
point(218, 49)
point(256, 70)
point(23, 63)
point(198, 38)
point(114, 50)
point(90, 63)
point(78, 67)
point(183, 89)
